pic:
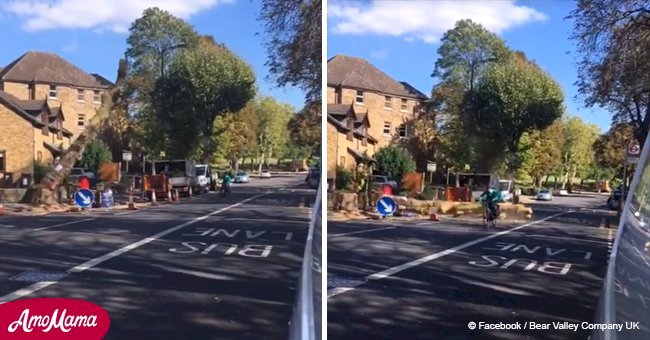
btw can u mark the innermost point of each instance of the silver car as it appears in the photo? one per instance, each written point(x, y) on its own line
point(241, 177)
point(544, 195)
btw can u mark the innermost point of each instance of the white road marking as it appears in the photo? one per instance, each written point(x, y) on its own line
point(394, 270)
point(359, 232)
point(93, 262)
point(63, 224)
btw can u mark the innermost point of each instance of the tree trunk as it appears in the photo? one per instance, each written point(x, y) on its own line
point(546, 181)
point(46, 191)
point(234, 163)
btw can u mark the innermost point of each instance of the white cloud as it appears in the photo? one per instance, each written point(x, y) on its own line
point(425, 20)
point(98, 15)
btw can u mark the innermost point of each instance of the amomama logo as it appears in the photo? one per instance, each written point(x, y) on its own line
point(52, 318)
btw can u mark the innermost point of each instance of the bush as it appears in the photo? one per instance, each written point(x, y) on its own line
point(394, 162)
point(95, 154)
point(344, 177)
point(40, 170)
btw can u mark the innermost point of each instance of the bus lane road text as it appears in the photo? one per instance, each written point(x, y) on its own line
point(209, 242)
point(556, 264)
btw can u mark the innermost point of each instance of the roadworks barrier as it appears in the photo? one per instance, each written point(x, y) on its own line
point(508, 210)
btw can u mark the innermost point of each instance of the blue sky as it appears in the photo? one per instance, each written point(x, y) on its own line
point(92, 34)
point(406, 49)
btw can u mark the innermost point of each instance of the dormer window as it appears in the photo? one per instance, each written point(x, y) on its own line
point(53, 92)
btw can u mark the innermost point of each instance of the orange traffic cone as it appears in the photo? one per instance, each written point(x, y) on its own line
point(153, 198)
point(177, 197)
point(2, 209)
point(169, 195)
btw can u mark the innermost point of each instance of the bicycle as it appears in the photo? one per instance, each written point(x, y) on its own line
point(489, 219)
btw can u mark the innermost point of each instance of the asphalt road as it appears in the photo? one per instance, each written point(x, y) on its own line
point(429, 280)
point(209, 267)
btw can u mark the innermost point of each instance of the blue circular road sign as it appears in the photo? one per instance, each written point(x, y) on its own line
point(84, 198)
point(386, 206)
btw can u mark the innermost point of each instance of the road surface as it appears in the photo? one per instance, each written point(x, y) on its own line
point(430, 280)
point(207, 268)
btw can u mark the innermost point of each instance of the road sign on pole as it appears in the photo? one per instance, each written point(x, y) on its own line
point(84, 198)
point(386, 206)
point(633, 152)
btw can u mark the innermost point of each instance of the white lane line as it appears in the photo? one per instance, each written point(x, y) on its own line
point(359, 232)
point(93, 262)
point(63, 224)
point(394, 270)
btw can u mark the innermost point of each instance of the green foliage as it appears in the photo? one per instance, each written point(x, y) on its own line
point(541, 152)
point(294, 43)
point(344, 177)
point(95, 154)
point(40, 170)
point(305, 128)
point(273, 118)
point(610, 148)
point(394, 161)
point(202, 83)
point(577, 154)
point(512, 98)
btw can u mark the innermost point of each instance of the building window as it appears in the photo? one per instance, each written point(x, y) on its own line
point(3, 160)
point(403, 131)
point(404, 106)
point(359, 99)
point(39, 156)
point(388, 102)
point(80, 95)
point(53, 92)
point(81, 120)
point(97, 97)
point(338, 95)
point(342, 161)
point(386, 128)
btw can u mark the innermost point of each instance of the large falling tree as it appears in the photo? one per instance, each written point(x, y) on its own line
point(46, 189)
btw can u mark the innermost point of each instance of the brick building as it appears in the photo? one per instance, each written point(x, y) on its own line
point(45, 102)
point(381, 108)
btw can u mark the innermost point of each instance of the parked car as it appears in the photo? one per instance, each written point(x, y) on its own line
point(241, 177)
point(614, 199)
point(544, 195)
point(313, 178)
point(77, 172)
point(561, 192)
point(265, 174)
point(379, 181)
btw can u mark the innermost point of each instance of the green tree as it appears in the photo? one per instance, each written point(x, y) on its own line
point(394, 161)
point(294, 43)
point(467, 51)
point(202, 83)
point(613, 39)
point(577, 154)
point(305, 128)
point(95, 154)
point(542, 151)
point(154, 42)
point(273, 118)
point(512, 98)
point(235, 134)
point(610, 148)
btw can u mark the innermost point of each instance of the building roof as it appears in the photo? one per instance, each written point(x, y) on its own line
point(338, 109)
point(358, 73)
point(31, 106)
point(9, 101)
point(359, 156)
point(49, 68)
point(102, 80)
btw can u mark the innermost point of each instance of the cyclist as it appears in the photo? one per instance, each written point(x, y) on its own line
point(491, 197)
point(225, 184)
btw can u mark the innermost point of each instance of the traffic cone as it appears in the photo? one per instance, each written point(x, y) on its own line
point(177, 197)
point(2, 209)
point(153, 198)
point(169, 195)
point(434, 217)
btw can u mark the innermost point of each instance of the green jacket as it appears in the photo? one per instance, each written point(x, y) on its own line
point(494, 196)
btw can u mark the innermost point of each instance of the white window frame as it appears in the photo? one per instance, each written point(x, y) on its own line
point(387, 127)
point(55, 91)
point(404, 102)
point(82, 93)
point(388, 100)
point(97, 96)
point(356, 100)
